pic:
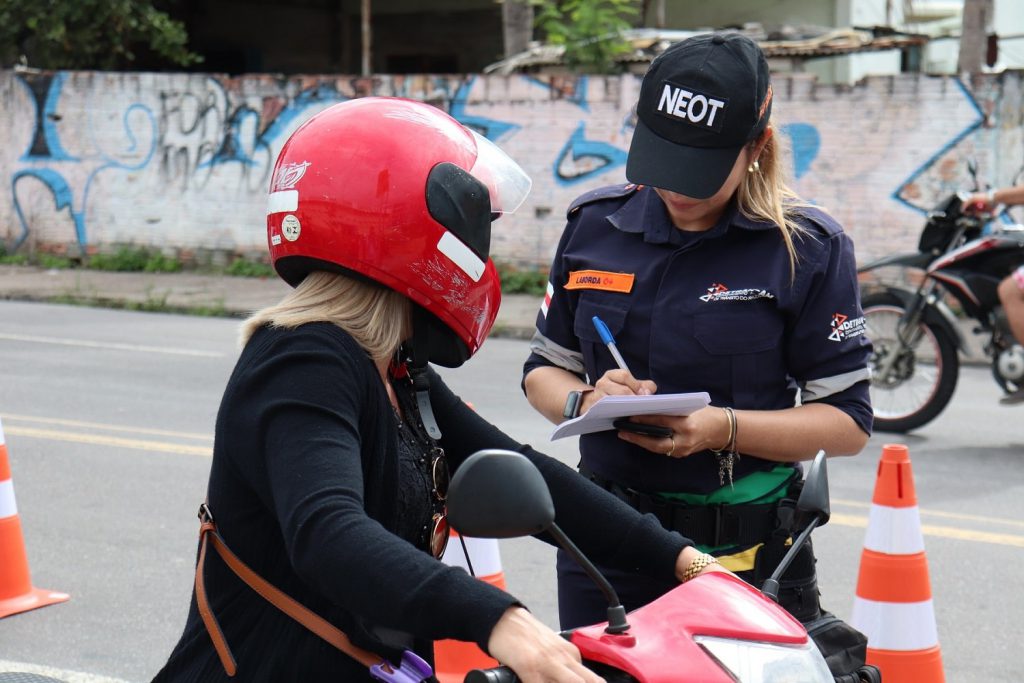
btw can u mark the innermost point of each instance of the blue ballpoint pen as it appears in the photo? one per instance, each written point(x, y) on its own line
point(609, 341)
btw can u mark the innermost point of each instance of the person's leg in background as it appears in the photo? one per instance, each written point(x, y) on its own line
point(1011, 295)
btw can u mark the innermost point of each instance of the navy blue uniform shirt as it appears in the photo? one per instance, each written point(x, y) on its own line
point(717, 311)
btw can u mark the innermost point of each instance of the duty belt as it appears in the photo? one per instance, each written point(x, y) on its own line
point(708, 525)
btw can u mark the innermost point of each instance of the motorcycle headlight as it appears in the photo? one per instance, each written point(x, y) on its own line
point(754, 662)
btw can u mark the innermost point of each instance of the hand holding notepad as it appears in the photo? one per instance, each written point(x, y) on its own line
point(609, 408)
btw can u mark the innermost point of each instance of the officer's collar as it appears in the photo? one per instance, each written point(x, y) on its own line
point(747, 223)
point(645, 213)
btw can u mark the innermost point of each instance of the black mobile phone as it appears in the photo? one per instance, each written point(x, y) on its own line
point(627, 425)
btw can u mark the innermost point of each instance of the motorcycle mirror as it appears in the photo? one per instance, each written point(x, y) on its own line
point(499, 494)
point(814, 499)
point(813, 503)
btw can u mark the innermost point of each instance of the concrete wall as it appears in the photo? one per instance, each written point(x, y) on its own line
point(182, 161)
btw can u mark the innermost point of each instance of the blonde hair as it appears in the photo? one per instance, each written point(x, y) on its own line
point(378, 318)
point(765, 196)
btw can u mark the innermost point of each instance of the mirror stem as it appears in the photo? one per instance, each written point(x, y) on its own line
point(616, 612)
point(771, 586)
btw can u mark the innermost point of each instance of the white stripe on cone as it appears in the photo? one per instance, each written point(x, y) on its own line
point(483, 553)
point(8, 508)
point(896, 625)
point(894, 531)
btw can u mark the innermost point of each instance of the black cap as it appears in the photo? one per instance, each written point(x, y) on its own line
point(701, 101)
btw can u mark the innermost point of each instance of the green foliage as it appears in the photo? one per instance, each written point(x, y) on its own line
point(241, 267)
point(89, 34)
point(590, 30)
point(519, 281)
point(51, 261)
point(158, 263)
point(134, 259)
point(12, 259)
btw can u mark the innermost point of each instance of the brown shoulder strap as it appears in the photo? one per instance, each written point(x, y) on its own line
point(208, 535)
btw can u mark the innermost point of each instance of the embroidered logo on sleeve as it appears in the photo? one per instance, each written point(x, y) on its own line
point(600, 279)
point(844, 327)
point(719, 292)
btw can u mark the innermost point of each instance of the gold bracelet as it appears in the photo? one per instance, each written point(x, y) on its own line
point(734, 430)
point(730, 443)
point(697, 564)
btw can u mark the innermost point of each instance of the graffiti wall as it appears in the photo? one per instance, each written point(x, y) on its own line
point(183, 161)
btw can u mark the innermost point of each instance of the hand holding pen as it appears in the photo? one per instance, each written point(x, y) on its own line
point(634, 385)
point(684, 434)
point(627, 380)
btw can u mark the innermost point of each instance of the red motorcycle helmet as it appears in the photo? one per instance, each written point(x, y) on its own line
point(400, 193)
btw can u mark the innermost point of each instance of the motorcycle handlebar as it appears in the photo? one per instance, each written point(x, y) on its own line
point(500, 674)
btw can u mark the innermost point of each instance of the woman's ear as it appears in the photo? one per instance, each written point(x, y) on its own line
point(760, 143)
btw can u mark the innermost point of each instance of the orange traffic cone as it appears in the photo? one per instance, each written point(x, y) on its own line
point(453, 658)
point(16, 591)
point(893, 606)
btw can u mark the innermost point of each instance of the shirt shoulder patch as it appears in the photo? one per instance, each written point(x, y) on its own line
point(817, 221)
point(607, 192)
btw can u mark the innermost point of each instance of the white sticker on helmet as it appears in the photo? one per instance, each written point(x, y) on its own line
point(290, 228)
point(461, 255)
point(279, 202)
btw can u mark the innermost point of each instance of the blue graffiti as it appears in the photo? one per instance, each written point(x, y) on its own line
point(578, 96)
point(233, 150)
point(63, 195)
point(602, 155)
point(805, 140)
point(492, 129)
point(923, 168)
point(45, 91)
point(315, 96)
point(61, 200)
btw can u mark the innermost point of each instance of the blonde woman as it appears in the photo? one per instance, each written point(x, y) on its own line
point(334, 438)
point(711, 276)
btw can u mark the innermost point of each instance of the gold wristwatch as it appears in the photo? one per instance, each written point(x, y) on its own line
point(697, 564)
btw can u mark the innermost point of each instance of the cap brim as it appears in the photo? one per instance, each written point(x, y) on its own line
point(697, 172)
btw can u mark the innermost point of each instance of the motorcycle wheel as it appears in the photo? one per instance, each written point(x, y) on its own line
point(922, 379)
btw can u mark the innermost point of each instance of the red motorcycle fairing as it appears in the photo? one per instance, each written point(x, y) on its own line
point(659, 645)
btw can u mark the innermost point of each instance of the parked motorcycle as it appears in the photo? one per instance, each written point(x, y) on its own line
point(915, 364)
point(916, 338)
point(712, 628)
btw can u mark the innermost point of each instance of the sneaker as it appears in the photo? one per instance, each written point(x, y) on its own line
point(1013, 398)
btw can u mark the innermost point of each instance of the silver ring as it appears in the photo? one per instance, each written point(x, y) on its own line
point(673, 449)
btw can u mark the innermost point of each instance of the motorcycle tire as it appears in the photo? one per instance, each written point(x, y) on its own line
point(921, 382)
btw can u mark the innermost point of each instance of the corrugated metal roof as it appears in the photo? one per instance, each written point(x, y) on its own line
point(648, 43)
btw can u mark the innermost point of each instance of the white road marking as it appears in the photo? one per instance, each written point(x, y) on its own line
point(59, 674)
point(110, 345)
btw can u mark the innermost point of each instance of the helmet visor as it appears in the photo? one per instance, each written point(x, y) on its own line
point(506, 182)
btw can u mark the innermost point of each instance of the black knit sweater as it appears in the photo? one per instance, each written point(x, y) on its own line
point(304, 468)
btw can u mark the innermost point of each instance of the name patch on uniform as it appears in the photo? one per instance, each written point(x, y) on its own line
point(600, 279)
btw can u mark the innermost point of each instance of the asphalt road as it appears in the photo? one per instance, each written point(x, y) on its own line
point(109, 416)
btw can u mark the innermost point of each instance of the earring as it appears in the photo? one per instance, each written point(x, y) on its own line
point(754, 167)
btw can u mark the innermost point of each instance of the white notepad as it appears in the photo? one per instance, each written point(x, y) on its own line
point(609, 408)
